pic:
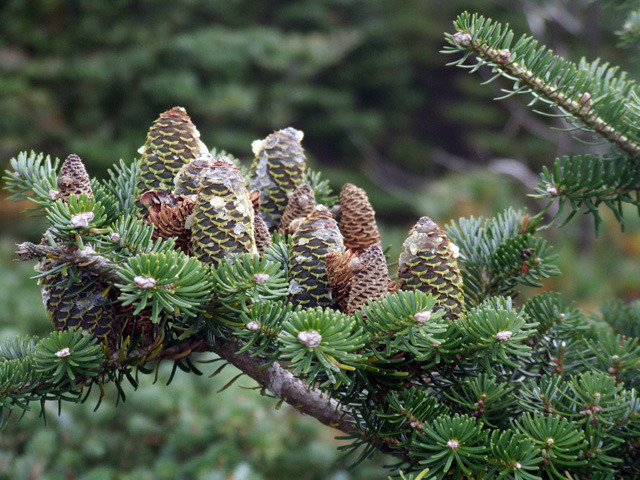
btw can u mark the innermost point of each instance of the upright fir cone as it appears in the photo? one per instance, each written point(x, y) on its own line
point(300, 203)
point(371, 278)
point(172, 141)
point(169, 215)
point(81, 300)
point(340, 276)
point(357, 219)
point(428, 263)
point(278, 168)
point(223, 215)
point(260, 230)
point(316, 237)
point(73, 179)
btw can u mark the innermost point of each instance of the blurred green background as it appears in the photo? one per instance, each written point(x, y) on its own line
point(365, 81)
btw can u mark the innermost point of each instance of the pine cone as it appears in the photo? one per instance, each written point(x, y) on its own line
point(371, 278)
point(261, 234)
point(187, 181)
point(317, 236)
point(300, 203)
point(278, 168)
point(428, 263)
point(357, 219)
point(172, 141)
point(81, 300)
point(73, 179)
point(223, 218)
point(340, 276)
point(169, 215)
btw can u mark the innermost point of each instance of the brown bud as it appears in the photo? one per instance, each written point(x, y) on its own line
point(300, 204)
point(357, 219)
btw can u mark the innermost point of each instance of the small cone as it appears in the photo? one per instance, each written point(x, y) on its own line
point(172, 141)
point(317, 236)
point(261, 234)
point(357, 219)
point(73, 179)
point(340, 276)
point(301, 203)
point(169, 215)
point(223, 218)
point(278, 168)
point(371, 278)
point(428, 263)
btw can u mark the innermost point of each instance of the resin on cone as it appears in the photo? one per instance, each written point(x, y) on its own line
point(300, 203)
point(428, 263)
point(223, 218)
point(278, 168)
point(316, 237)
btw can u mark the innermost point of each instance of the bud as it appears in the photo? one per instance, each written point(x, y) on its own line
point(453, 444)
point(81, 220)
point(310, 338)
point(64, 353)
point(261, 278)
point(504, 335)
point(462, 39)
point(253, 326)
point(423, 316)
point(145, 283)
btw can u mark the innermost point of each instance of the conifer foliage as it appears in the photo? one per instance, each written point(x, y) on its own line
point(438, 366)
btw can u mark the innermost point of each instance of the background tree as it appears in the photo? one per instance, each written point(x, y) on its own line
point(224, 145)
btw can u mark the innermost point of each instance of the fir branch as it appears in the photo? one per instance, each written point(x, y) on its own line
point(281, 383)
point(587, 93)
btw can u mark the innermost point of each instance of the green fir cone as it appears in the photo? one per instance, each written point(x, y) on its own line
point(428, 263)
point(317, 236)
point(79, 299)
point(172, 141)
point(223, 217)
point(278, 168)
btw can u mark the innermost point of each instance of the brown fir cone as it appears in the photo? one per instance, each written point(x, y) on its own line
point(169, 214)
point(357, 219)
point(300, 204)
point(340, 276)
point(370, 280)
point(261, 234)
point(73, 179)
point(255, 196)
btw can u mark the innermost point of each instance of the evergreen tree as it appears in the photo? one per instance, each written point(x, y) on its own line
point(444, 370)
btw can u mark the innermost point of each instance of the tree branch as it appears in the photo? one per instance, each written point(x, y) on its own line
point(281, 383)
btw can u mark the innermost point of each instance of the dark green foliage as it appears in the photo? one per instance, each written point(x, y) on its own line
point(498, 254)
point(169, 283)
point(66, 354)
point(585, 182)
point(322, 344)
